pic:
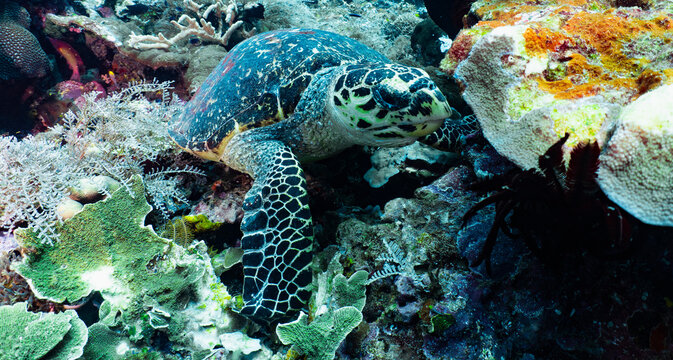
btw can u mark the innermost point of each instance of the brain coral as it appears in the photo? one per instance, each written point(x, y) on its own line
point(20, 52)
point(533, 72)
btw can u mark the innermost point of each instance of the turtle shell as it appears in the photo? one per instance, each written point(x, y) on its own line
point(260, 82)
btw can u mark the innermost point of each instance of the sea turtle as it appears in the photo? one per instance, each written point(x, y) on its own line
point(287, 96)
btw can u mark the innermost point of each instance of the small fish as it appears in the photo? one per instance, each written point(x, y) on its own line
point(112, 79)
point(71, 57)
point(355, 15)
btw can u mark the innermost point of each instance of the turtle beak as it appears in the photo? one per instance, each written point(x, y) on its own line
point(432, 104)
point(429, 109)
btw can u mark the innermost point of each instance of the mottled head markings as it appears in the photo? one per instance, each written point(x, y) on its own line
point(388, 104)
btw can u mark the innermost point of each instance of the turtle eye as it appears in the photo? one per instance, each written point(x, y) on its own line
point(389, 98)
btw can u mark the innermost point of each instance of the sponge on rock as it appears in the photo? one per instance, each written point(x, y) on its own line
point(636, 170)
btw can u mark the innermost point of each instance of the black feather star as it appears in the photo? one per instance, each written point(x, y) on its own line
point(556, 212)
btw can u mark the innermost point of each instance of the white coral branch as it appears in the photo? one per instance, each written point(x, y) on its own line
point(190, 26)
point(146, 42)
point(193, 6)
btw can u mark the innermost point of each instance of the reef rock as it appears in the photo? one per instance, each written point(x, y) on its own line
point(534, 72)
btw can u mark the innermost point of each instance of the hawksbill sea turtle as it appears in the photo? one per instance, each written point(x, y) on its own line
point(288, 96)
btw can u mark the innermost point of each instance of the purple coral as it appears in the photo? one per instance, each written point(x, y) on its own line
point(20, 52)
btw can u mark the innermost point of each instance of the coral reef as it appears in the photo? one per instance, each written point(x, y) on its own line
point(115, 136)
point(188, 26)
point(77, 191)
point(527, 309)
point(534, 72)
point(27, 335)
point(148, 283)
point(386, 28)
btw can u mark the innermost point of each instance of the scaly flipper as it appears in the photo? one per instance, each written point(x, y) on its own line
point(277, 236)
point(448, 136)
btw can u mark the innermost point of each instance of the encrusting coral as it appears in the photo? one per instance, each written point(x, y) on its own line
point(534, 72)
point(636, 166)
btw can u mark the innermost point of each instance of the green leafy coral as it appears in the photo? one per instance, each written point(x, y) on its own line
point(103, 343)
point(149, 283)
point(320, 338)
point(98, 249)
point(337, 311)
point(26, 336)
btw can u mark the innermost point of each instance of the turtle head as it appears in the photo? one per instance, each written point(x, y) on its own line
point(387, 105)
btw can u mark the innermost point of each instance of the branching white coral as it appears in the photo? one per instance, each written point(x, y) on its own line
point(114, 136)
point(201, 28)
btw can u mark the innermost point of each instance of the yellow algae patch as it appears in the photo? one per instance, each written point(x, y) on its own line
point(523, 98)
point(513, 11)
point(579, 65)
point(583, 122)
point(648, 80)
point(598, 35)
point(668, 73)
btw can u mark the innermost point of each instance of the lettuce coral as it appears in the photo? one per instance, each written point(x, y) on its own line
point(148, 283)
point(27, 335)
point(98, 248)
point(336, 311)
point(320, 338)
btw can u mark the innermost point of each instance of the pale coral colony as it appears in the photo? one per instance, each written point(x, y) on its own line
point(116, 242)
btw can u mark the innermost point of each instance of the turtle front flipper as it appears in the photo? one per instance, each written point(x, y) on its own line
point(448, 136)
point(277, 235)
